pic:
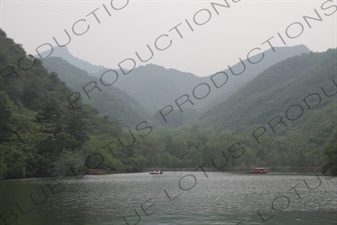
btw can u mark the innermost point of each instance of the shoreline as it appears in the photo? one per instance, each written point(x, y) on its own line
point(306, 170)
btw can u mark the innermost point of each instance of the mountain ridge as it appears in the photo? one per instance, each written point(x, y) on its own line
point(155, 87)
point(64, 53)
point(111, 101)
point(272, 84)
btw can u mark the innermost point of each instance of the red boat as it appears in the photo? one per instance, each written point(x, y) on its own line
point(259, 170)
point(94, 172)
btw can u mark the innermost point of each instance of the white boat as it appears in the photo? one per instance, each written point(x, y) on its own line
point(156, 172)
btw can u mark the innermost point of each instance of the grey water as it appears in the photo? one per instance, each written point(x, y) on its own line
point(172, 198)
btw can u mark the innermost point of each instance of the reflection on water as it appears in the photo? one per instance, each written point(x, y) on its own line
point(171, 198)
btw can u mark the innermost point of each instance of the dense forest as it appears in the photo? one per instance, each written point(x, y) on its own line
point(41, 133)
point(285, 118)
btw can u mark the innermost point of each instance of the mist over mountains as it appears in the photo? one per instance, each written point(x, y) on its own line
point(155, 87)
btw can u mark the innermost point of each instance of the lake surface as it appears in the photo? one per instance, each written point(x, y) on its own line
point(220, 198)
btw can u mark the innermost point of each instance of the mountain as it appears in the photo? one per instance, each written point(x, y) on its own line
point(64, 53)
point(111, 102)
point(155, 86)
point(264, 59)
point(279, 87)
point(41, 134)
point(285, 116)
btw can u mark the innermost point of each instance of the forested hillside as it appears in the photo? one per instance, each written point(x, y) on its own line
point(244, 71)
point(275, 90)
point(290, 108)
point(111, 101)
point(41, 133)
point(285, 118)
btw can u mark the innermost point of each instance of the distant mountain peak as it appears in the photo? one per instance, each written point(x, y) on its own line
point(64, 53)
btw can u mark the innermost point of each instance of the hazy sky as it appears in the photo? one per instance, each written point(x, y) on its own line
point(118, 29)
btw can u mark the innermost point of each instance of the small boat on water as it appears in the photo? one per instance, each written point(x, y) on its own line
point(94, 172)
point(260, 170)
point(154, 172)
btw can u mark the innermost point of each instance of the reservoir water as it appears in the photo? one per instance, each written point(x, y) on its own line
point(189, 198)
